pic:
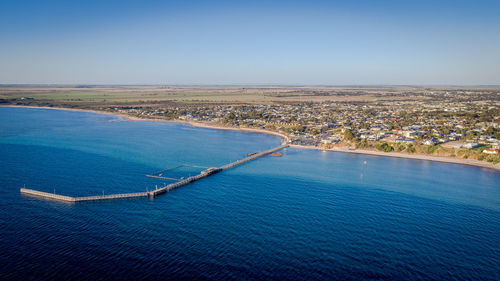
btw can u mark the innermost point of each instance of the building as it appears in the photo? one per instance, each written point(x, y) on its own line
point(491, 151)
point(432, 141)
point(405, 140)
point(470, 145)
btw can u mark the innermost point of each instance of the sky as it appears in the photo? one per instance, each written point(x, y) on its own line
point(424, 42)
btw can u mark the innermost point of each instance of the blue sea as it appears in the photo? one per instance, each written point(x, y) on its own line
point(308, 215)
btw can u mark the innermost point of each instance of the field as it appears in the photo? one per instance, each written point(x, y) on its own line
point(92, 96)
point(307, 115)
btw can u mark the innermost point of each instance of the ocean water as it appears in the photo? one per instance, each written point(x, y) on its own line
point(308, 215)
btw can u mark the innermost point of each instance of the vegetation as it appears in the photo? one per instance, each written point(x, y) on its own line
point(401, 119)
point(385, 147)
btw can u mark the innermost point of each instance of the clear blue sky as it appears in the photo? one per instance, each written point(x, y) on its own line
point(250, 42)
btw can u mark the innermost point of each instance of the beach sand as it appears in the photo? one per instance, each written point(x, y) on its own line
point(285, 139)
point(452, 160)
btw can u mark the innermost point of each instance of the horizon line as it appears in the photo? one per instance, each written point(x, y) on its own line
point(242, 85)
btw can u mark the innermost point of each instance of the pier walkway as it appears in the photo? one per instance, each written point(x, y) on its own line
point(58, 197)
point(153, 193)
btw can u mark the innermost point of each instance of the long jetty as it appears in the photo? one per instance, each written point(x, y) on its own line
point(252, 157)
point(155, 192)
point(58, 197)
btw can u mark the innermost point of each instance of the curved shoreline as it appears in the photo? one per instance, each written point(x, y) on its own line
point(198, 124)
point(285, 138)
point(468, 162)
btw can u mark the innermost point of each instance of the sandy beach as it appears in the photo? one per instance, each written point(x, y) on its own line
point(192, 123)
point(285, 139)
point(470, 162)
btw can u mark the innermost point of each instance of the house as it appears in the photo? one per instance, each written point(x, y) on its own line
point(331, 139)
point(432, 141)
point(405, 140)
point(470, 145)
point(411, 134)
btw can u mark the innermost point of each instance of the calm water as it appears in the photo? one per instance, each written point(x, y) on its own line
point(307, 215)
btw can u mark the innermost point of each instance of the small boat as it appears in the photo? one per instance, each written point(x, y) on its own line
point(277, 154)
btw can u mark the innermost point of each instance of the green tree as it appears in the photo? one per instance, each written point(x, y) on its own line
point(385, 147)
point(229, 118)
point(411, 148)
point(348, 135)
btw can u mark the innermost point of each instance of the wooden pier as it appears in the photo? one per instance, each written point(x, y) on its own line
point(47, 195)
point(58, 197)
point(162, 178)
point(252, 157)
point(205, 173)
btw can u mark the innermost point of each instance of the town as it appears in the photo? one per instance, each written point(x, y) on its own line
point(461, 124)
point(456, 122)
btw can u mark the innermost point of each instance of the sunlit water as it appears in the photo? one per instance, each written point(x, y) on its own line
point(307, 215)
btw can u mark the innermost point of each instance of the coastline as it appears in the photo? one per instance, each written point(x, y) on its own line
point(192, 123)
point(469, 162)
point(285, 139)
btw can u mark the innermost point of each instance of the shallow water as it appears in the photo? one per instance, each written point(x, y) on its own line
point(306, 215)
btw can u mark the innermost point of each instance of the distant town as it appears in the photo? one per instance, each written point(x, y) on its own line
point(461, 123)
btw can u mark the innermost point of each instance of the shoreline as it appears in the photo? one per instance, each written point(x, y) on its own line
point(284, 138)
point(469, 162)
point(198, 124)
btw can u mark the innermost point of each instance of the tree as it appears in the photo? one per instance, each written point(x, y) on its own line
point(385, 147)
point(313, 130)
point(400, 147)
point(298, 128)
point(363, 143)
point(229, 118)
point(348, 135)
point(411, 148)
